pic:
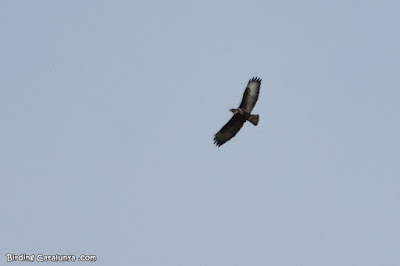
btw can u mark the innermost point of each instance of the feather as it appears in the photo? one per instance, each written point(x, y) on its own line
point(229, 130)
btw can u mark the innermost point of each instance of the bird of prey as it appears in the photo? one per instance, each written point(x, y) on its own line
point(241, 114)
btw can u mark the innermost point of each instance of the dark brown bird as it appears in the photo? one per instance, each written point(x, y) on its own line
point(241, 114)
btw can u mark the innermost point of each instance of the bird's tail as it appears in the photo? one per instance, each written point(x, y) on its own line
point(254, 119)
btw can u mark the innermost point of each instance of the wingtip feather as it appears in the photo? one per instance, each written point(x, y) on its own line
point(255, 79)
point(217, 142)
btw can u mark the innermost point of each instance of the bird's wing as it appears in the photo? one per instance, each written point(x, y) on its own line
point(229, 130)
point(250, 95)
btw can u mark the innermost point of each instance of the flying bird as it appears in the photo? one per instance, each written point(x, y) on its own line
point(241, 114)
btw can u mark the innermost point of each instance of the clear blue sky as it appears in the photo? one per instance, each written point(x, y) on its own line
point(108, 110)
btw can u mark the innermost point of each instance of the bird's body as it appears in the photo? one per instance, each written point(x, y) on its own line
point(241, 114)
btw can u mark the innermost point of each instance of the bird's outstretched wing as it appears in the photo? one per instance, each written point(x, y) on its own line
point(250, 95)
point(229, 130)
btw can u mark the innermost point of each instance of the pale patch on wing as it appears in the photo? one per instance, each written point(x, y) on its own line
point(251, 93)
point(254, 87)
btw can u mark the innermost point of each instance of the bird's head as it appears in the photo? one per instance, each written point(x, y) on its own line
point(234, 111)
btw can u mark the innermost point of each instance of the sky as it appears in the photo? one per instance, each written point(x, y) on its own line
point(108, 111)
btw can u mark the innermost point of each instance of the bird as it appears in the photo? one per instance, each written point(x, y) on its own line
point(241, 114)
